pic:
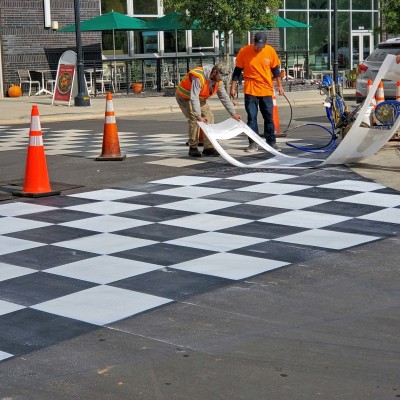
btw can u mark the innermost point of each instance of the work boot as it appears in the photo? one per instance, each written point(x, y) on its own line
point(253, 147)
point(275, 146)
point(210, 153)
point(194, 152)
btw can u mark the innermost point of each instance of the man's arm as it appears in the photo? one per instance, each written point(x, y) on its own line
point(194, 98)
point(276, 73)
point(237, 72)
point(227, 103)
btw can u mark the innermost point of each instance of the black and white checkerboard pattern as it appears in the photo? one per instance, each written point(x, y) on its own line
point(71, 264)
point(165, 149)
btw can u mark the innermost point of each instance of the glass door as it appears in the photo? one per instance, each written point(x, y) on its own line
point(362, 44)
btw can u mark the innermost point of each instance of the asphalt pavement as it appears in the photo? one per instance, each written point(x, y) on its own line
point(324, 327)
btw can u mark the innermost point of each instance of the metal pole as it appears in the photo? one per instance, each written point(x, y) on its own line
point(335, 44)
point(81, 99)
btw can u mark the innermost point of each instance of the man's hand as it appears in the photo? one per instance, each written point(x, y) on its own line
point(237, 117)
point(281, 91)
point(201, 119)
point(398, 58)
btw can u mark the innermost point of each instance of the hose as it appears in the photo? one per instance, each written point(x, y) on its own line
point(315, 150)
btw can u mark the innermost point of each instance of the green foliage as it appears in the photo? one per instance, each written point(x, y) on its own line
point(238, 16)
point(390, 10)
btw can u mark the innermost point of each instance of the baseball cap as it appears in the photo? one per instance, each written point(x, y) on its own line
point(222, 69)
point(260, 39)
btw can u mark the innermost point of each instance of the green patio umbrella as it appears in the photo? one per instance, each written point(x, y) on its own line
point(171, 22)
point(281, 22)
point(111, 21)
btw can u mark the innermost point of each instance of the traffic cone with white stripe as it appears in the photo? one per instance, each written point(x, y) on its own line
point(398, 91)
point(380, 95)
point(276, 118)
point(369, 118)
point(36, 182)
point(111, 150)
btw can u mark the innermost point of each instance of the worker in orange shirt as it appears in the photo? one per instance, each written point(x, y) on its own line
point(260, 64)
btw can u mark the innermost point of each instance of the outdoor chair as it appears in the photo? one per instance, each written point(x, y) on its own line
point(25, 79)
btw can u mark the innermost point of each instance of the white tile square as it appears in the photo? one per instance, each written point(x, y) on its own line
point(103, 269)
point(107, 194)
point(7, 307)
point(216, 241)
point(4, 355)
point(391, 215)
point(373, 199)
point(21, 208)
point(8, 271)
point(327, 239)
point(191, 192)
point(104, 243)
point(357, 186)
point(184, 180)
point(11, 245)
point(289, 202)
point(229, 266)
point(262, 177)
point(200, 205)
point(106, 207)
point(101, 305)
point(206, 222)
point(273, 188)
point(105, 223)
point(174, 162)
point(12, 224)
point(304, 219)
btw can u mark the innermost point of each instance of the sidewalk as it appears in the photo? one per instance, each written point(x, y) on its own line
point(18, 110)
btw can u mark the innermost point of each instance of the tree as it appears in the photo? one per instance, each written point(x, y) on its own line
point(390, 10)
point(225, 16)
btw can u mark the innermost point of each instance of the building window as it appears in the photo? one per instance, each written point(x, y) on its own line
point(145, 7)
point(202, 41)
point(296, 4)
point(113, 5)
point(173, 43)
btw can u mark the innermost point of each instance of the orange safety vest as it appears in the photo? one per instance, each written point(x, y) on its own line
point(206, 91)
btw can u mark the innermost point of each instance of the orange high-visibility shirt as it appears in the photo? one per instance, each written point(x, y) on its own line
point(257, 69)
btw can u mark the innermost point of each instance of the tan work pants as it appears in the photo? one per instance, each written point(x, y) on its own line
point(194, 129)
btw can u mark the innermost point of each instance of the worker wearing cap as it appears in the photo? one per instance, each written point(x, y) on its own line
point(260, 64)
point(192, 93)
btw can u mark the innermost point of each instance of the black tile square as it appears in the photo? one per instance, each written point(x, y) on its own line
point(28, 330)
point(237, 196)
point(225, 184)
point(45, 257)
point(58, 216)
point(324, 193)
point(287, 252)
point(263, 230)
point(248, 211)
point(60, 201)
point(366, 227)
point(52, 234)
point(36, 288)
point(163, 254)
point(158, 232)
point(345, 209)
point(154, 214)
point(151, 199)
point(172, 283)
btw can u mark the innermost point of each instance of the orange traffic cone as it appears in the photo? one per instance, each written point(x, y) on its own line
point(111, 150)
point(276, 118)
point(380, 96)
point(398, 91)
point(36, 183)
point(201, 137)
point(369, 118)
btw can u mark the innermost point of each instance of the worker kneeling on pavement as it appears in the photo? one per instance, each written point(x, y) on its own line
point(192, 93)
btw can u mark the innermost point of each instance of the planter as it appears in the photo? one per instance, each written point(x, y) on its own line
point(137, 87)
